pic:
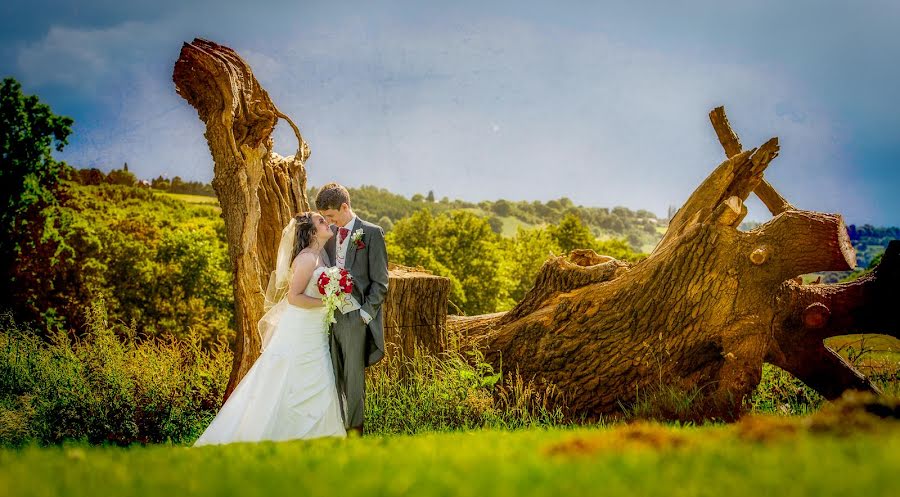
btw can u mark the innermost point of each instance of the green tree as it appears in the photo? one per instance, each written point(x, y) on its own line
point(525, 254)
point(619, 249)
point(411, 243)
point(459, 245)
point(92, 176)
point(121, 177)
point(29, 131)
point(571, 234)
point(496, 224)
point(386, 223)
point(177, 184)
point(502, 208)
point(29, 176)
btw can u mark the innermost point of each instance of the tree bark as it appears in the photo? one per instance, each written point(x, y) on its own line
point(258, 190)
point(415, 312)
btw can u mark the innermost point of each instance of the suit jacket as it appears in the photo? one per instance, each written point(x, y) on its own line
point(368, 267)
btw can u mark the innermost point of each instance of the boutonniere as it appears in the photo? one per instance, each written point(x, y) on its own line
point(357, 238)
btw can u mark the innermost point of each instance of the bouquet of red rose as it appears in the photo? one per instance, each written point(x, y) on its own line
point(335, 284)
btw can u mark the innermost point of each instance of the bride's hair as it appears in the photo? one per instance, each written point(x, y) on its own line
point(306, 232)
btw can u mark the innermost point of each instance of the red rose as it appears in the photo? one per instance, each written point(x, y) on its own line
point(323, 280)
point(346, 281)
point(360, 245)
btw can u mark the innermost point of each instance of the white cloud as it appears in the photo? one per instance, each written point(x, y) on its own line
point(83, 59)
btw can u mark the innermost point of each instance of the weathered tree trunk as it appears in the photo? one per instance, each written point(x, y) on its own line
point(257, 189)
point(415, 312)
point(704, 310)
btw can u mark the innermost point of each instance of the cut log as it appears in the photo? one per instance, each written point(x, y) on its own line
point(730, 212)
point(415, 312)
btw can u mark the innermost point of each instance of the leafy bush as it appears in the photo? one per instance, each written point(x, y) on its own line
point(106, 386)
point(158, 263)
point(460, 246)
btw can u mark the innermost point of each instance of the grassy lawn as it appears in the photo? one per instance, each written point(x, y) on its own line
point(511, 226)
point(191, 199)
point(754, 458)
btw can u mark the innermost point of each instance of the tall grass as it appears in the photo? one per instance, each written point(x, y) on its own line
point(452, 391)
point(109, 386)
point(780, 393)
point(106, 386)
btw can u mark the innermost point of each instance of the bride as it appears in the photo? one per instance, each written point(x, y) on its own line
point(290, 391)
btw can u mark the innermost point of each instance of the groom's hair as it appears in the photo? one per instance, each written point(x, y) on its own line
point(331, 196)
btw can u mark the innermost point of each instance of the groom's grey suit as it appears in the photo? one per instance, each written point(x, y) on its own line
point(356, 345)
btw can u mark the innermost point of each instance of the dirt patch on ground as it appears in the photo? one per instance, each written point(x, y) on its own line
point(637, 436)
point(856, 412)
point(767, 428)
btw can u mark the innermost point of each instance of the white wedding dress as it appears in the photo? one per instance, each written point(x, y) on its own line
point(289, 392)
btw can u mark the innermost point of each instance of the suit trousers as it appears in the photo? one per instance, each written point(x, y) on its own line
point(348, 354)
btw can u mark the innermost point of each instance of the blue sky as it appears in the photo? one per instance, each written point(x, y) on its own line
point(603, 102)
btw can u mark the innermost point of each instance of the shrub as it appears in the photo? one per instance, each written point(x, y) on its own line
point(106, 386)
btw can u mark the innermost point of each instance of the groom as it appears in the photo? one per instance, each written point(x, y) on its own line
point(357, 338)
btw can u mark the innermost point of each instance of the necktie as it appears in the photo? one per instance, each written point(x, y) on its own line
point(343, 232)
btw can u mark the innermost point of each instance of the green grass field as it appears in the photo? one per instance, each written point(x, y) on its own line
point(191, 199)
point(781, 458)
point(511, 225)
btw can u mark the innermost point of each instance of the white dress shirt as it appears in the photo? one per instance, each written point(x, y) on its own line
point(340, 251)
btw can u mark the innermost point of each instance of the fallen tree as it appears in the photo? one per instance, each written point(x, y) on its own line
point(704, 311)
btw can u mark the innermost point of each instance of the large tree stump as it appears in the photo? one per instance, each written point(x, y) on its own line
point(415, 312)
point(257, 189)
point(704, 310)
